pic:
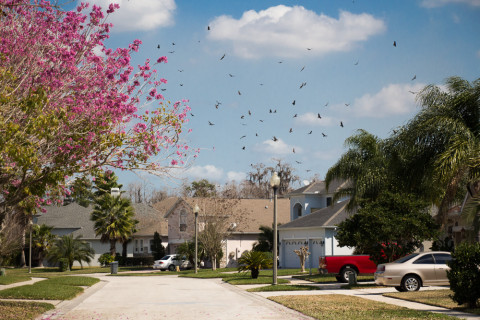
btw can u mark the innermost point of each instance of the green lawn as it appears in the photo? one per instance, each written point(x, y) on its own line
point(329, 277)
point(16, 310)
point(59, 288)
point(51, 272)
point(9, 279)
point(284, 287)
point(247, 279)
point(440, 298)
point(341, 307)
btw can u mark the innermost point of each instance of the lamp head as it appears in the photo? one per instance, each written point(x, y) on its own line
point(275, 180)
point(196, 209)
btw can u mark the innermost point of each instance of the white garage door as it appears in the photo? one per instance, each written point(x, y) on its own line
point(291, 258)
point(317, 250)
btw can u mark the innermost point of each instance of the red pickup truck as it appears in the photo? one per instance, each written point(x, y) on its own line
point(344, 266)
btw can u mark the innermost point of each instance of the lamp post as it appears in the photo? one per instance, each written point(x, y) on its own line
point(195, 210)
point(275, 183)
point(30, 247)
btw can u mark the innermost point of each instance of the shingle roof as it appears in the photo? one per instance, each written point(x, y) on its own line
point(318, 187)
point(150, 220)
point(252, 213)
point(329, 216)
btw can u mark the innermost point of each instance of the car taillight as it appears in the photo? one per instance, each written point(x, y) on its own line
point(381, 267)
point(161, 262)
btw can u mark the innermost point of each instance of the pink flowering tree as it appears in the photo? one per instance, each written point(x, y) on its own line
point(69, 105)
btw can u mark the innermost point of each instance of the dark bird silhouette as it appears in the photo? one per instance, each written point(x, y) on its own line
point(242, 137)
point(256, 134)
point(271, 111)
point(308, 170)
point(260, 120)
point(181, 84)
point(291, 130)
point(239, 93)
point(275, 111)
point(158, 47)
point(324, 135)
point(347, 104)
point(295, 115)
point(231, 75)
point(163, 89)
point(274, 139)
point(243, 148)
point(173, 43)
point(341, 124)
point(208, 28)
point(394, 131)
point(280, 61)
point(414, 77)
point(309, 49)
point(319, 116)
point(303, 85)
point(302, 69)
point(222, 57)
point(180, 70)
point(293, 150)
point(210, 123)
point(310, 132)
point(249, 113)
point(242, 117)
point(394, 43)
point(412, 92)
point(192, 114)
point(326, 104)
point(293, 102)
point(299, 162)
point(171, 51)
point(356, 63)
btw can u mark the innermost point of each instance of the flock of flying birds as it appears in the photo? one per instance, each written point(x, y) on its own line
point(249, 114)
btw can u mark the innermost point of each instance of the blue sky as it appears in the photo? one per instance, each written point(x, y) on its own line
point(342, 51)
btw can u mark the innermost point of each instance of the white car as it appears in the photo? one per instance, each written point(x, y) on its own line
point(171, 261)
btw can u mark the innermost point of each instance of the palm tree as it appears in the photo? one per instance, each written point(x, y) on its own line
point(42, 241)
point(67, 249)
point(265, 240)
point(364, 165)
point(254, 261)
point(441, 144)
point(113, 217)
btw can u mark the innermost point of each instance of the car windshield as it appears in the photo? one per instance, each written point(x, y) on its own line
point(165, 258)
point(406, 258)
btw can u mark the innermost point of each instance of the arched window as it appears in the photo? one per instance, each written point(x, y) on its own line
point(297, 211)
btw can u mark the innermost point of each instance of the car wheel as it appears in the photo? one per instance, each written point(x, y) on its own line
point(399, 289)
point(345, 273)
point(171, 267)
point(411, 283)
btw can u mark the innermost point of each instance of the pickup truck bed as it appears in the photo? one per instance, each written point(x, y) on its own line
point(344, 266)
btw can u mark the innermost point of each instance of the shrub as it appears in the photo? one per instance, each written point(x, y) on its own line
point(254, 261)
point(464, 274)
point(105, 259)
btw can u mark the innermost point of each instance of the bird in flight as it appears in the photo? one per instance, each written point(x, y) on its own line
point(326, 104)
point(347, 104)
point(239, 93)
point(299, 162)
point(249, 113)
point(274, 139)
point(291, 130)
point(394, 43)
point(210, 123)
point(271, 111)
point(324, 135)
point(356, 63)
point(158, 47)
point(295, 115)
point(242, 137)
point(208, 28)
point(243, 148)
point(414, 77)
point(222, 57)
point(242, 117)
point(302, 69)
point(310, 132)
point(293, 102)
point(303, 85)
point(341, 124)
point(293, 150)
point(309, 49)
point(231, 75)
point(319, 116)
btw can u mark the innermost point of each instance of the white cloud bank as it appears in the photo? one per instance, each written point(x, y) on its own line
point(394, 99)
point(440, 3)
point(212, 173)
point(312, 119)
point(139, 15)
point(278, 147)
point(288, 31)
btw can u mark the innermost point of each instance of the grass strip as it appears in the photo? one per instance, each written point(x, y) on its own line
point(60, 288)
point(8, 279)
point(341, 307)
point(328, 277)
point(439, 298)
point(247, 279)
point(284, 287)
point(19, 310)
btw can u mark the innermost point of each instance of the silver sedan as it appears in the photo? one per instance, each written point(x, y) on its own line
point(414, 271)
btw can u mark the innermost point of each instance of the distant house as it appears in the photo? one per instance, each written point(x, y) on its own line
point(75, 220)
point(244, 221)
point(314, 220)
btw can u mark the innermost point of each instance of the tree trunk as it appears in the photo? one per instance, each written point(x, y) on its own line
point(214, 263)
point(113, 249)
point(255, 272)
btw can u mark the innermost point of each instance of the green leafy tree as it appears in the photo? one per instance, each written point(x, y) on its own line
point(114, 220)
point(437, 151)
point(187, 249)
point(265, 240)
point(202, 189)
point(391, 226)
point(254, 261)
point(364, 165)
point(67, 249)
point(464, 276)
point(42, 241)
point(157, 248)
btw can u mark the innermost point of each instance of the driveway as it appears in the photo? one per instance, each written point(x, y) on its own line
point(168, 297)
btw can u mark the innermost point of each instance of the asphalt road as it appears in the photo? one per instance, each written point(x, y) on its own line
point(168, 297)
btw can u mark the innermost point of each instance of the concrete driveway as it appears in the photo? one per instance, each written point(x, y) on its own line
point(168, 297)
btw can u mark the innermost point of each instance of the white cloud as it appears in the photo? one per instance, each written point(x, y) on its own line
point(394, 99)
point(208, 172)
point(288, 31)
point(236, 176)
point(311, 119)
point(136, 15)
point(278, 147)
point(440, 3)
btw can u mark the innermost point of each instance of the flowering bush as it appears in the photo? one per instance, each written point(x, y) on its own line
point(69, 104)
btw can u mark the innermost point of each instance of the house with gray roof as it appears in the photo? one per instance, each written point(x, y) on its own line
point(73, 219)
point(313, 223)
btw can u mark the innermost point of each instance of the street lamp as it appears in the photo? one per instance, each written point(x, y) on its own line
point(195, 210)
point(275, 183)
point(30, 247)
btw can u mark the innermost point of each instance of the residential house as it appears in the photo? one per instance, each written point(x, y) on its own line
point(243, 219)
point(74, 219)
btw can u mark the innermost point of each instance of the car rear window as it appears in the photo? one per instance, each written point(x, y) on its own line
point(406, 258)
point(165, 258)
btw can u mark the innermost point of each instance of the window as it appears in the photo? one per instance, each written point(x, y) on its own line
point(151, 245)
point(442, 258)
point(136, 245)
point(183, 221)
point(297, 211)
point(329, 201)
point(427, 259)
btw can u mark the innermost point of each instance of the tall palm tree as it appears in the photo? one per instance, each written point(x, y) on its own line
point(442, 143)
point(114, 219)
point(364, 166)
point(42, 241)
point(68, 249)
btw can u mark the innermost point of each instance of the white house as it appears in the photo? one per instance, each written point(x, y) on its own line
point(313, 223)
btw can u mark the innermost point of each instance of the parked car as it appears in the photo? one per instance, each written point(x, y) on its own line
point(414, 271)
point(344, 266)
point(171, 261)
